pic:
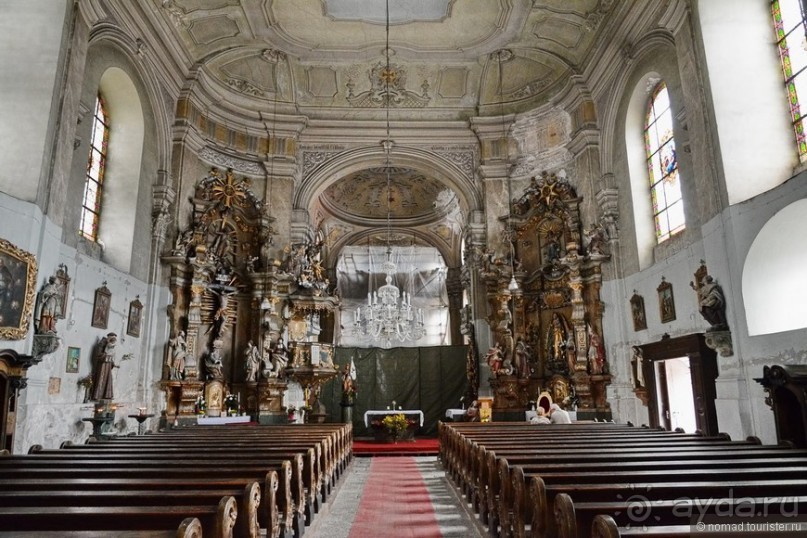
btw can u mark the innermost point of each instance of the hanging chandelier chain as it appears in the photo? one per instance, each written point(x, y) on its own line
point(388, 314)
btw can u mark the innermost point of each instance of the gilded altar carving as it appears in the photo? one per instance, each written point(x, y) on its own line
point(549, 327)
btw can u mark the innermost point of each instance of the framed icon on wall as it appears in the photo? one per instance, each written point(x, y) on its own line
point(73, 357)
point(666, 301)
point(135, 313)
point(100, 308)
point(637, 312)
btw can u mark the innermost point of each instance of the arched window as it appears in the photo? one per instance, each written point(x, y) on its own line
point(662, 166)
point(94, 181)
point(791, 28)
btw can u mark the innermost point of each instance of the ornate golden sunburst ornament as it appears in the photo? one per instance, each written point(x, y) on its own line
point(549, 192)
point(228, 191)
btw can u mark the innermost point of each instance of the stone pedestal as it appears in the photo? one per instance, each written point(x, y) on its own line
point(180, 399)
point(347, 413)
point(509, 393)
point(270, 397)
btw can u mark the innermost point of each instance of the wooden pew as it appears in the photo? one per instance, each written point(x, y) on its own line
point(247, 499)
point(217, 520)
point(169, 464)
point(496, 484)
point(267, 515)
point(161, 471)
point(659, 486)
point(604, 526)
point(571, 517)
point(509, 463)
point(189, 528)
point(290, 467)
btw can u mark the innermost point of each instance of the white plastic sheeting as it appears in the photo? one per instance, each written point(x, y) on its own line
point(421, 272)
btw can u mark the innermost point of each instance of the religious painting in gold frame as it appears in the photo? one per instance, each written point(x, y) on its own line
point(666, 301)
point(100, 308)
point(17, 290)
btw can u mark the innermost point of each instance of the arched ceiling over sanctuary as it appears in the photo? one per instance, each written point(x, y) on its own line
point(322, 53)
point(412, 196)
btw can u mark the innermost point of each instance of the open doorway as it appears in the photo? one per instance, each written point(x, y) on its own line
point(676, 400)
point(680, 376)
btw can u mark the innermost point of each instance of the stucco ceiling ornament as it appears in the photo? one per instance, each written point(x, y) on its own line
point(387, 89)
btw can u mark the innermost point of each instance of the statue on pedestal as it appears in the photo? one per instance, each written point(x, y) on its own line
point(179, 349)
point(712, 303)
point(48, 306)
point(213, 364)
point(252, 361)
point(104, 363)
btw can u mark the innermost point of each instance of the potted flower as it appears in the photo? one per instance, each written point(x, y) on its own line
point(393, 428)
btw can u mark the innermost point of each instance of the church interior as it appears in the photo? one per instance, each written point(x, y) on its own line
point(278, 212)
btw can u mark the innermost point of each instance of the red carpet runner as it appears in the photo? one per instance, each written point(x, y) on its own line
point(420, 446)
point(395, 502)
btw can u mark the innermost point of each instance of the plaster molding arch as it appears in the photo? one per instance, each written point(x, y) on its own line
point(354, 160)
point(451, 259)
point(105, 34)
point(612, 111)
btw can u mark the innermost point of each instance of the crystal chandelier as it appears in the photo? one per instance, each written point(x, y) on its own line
point(388, 314)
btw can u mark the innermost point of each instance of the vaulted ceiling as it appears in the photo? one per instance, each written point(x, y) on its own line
point(452, 60)
point(322, 52)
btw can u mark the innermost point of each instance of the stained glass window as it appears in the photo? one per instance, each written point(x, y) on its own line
point(791, 28)
point(662, 166)
point(93, 185)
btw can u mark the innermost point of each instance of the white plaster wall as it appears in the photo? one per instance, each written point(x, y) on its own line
point(29, 69)
point(756, 140)
point(51, 417)
point(726, 240)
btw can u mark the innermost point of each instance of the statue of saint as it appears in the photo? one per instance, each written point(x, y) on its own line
point(494, 358)
point(252, 361)
point(522, 359)
point(104, 363)
point(557, 344)
point(48, 306)
point(179, 349)
point(280, 356)
point(213, 364)
point(712, 303)
point(596, 352)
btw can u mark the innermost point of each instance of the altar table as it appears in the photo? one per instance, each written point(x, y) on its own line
point(381, 413)
point(456, 415)
point(211, 421)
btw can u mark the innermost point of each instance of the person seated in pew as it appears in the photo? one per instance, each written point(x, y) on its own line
point(540, 417)
point(472, 413)
point(558, 415)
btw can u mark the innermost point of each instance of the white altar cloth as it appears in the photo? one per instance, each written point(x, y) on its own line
point(384, 412)
point(213, 421)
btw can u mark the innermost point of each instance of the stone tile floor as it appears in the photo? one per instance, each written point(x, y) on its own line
point(454, 516)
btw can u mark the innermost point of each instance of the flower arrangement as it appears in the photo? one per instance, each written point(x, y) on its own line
point(395, 424)
point(231, 404)
point(200, 406)
point(85, 382)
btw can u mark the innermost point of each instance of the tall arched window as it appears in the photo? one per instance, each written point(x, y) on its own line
point(94, 181)
point(791, 29)
point(662, 166)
